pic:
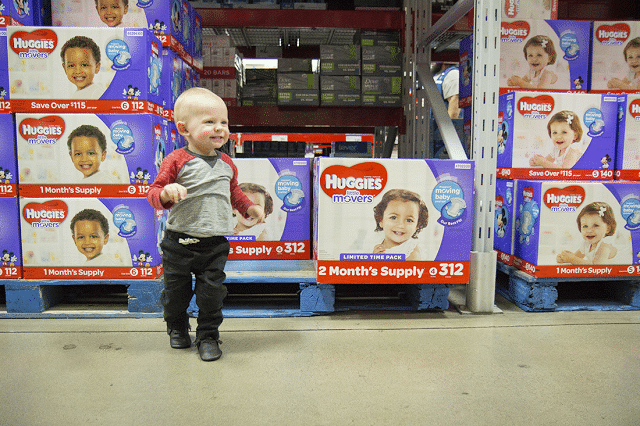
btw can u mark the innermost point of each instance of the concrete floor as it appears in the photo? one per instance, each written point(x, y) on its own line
point(383, 368)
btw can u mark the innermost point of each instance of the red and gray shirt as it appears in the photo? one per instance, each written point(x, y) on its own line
point(212, 193)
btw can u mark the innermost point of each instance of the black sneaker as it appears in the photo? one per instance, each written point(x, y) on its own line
point(209, 349)
point(179, 338)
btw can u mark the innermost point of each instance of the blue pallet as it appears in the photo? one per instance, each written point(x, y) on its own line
point(541, 294)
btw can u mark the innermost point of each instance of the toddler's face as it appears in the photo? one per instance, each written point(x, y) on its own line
point(593, 228)
point(633, 59)
point(80, 66)
point(208, 129)
point(111, 11)
point(562, 135)
point(400, 221)
point(89, 238)
point(537, 58)
point(86, 154)
point(258, 199)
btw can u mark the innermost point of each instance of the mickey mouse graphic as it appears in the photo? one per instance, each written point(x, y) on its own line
point(141, 176)
point(143, 258)
point(5, 176)
point(8, 258)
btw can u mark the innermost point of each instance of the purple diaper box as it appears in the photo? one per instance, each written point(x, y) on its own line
point(91, 238)
point(20, 12)
point(559, 136)
point(282, 186)
point(8, 166)
point(10, 239)
point(89, 155)
point(504, 215)
point(96, 70)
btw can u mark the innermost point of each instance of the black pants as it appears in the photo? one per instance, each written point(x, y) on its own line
point(205, 258)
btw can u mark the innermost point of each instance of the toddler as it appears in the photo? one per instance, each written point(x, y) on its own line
point(249, 226)
point(87, 149)
point(632, 58)
point(595, 221)
point(81, 62)
point(90, 231)
point(401, 215)
point(199, 184)
point(564, 129)
point(538, 52)
point(112, 11)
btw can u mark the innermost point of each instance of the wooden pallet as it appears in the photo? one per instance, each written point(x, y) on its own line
point(567, 294)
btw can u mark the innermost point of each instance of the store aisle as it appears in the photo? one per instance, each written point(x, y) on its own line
point(515, 368)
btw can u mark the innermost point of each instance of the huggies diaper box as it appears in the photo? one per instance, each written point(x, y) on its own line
point(465, 94)
point(91, 238)
point(98, 70)
point(20, 12)
point(80, 155)
point(282, 186)
point(577, 229)
point(547, 135)
point(10, 239)
point(544, 55)
point(170, 20)
point(5, 105)
point(616, 56)
point(8, 165)
point(390, 221)
point(530, 9)
point(504, 219)
point(628, 151)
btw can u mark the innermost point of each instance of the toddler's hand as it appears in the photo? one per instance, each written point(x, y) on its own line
point(378, 248)
point(514, 80)
point(256, 212)
point(174, 193)
point(564, 257)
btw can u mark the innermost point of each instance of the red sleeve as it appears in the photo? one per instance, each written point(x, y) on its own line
point(239, 200)
point(167, 174)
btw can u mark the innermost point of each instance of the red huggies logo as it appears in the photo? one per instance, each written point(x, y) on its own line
point(511, 8)
point(157, 131)
point(514, 31)
point(564, 199)
point(42, 131)
point(499, 202)
point(613, 34)
point(538, 107)
point(49, 214)
point(634, 109)
point(37, 44)
point(356, 184)
point(527, 193)
point(155, 49)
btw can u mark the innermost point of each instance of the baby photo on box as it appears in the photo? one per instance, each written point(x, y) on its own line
point(56, 63)
point(544, 55)
point(557, 135)
point(90, 149)
point(616, 56)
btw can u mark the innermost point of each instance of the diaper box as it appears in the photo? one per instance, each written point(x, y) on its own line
point(91, 238)
point(5, 105)
point(20, 12)
point(544, 55)
point(282, 186)
point(465, 91)
point(80, 155)
point(530, 9)
point(170, 20)
point(627, 160)
point(8, 165)
point(10, 239)
point(577, 229)
point(172, 80)
point(390, 221)
point(504, 220)
point(99, 70)
point(561, 136)
point(616, 56)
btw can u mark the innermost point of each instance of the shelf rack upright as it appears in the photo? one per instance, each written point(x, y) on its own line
point(421, 98)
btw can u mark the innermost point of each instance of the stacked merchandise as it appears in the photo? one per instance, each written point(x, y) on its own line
point(20, 12)
point(340, 71)
point(90, 136)
point(381, 68)
point(297, 83)
point(559, 213)
point(261, 4)
point(260, 87)
point(222, 72)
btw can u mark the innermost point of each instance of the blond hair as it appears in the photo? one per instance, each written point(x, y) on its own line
point(192, 101)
